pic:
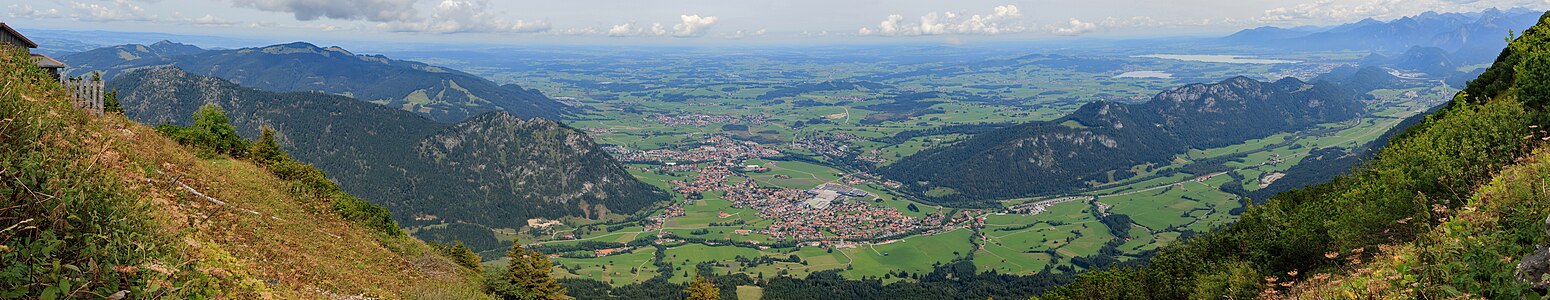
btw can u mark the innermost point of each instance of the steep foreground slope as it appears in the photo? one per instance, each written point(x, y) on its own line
point(494, 169)
point(102, 207)
point(1433, 215)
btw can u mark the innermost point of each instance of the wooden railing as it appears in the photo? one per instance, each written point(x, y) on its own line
point(85, 93)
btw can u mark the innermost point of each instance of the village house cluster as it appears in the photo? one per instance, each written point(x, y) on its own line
point(704, 120)
point(718, 149)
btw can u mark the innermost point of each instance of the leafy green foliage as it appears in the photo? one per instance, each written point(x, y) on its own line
point(1533, 82)
point(211, 134)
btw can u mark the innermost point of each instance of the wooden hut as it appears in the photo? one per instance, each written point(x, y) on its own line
point(9, 36)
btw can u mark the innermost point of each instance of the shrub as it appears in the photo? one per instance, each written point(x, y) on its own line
point(211, 135)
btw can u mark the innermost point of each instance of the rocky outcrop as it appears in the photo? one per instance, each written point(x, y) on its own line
point(1534, 269)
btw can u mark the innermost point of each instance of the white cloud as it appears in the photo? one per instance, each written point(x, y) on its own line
point(212, 20)
point(630, 29)
point(26, 11)
point(1001, 19)
point(690, 26)
point(1074, 27)
point(118, 10)
point(370, 10)
point(461, 16)
point(625, 29)
point(693, 25)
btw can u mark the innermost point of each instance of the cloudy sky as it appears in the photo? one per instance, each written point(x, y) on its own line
point(702, 21)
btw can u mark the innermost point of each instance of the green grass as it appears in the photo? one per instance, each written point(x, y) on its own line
point(614, 269)
point(914, 254)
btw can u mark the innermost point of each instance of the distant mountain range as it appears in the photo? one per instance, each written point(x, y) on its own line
point(1102, 140)
point(1473, 37)
point(442, 94)
point(494, 169)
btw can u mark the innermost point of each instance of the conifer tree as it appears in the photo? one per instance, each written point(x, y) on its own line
point(525, 277)
point(465, 256)
point(702, 289)
point(265, 149)
point(110, 102)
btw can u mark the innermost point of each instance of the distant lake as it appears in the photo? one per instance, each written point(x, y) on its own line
point(1145, 74)
point(1231, 59)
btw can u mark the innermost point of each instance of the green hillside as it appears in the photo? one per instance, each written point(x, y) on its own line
point(1446, 210)
point(98, 206)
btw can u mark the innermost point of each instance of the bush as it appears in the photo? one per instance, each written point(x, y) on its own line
point(211, 135)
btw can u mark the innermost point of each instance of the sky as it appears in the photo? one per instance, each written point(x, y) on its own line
point(717, 21)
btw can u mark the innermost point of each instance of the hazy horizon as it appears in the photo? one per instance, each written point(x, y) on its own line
point(708, 23)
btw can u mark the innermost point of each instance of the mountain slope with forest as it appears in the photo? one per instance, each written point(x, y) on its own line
point(443, 94)
point(495, 169)
point(1451, 208)
point(1102, 140)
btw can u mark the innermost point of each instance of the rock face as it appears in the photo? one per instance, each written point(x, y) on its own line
point(1102, 140)
point(1535, 268)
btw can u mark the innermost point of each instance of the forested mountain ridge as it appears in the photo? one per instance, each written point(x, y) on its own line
point(110, 60)
point(551, 168)
point(1453, 207)
point(490, 176)
point(443, 94)
point(1101, 140)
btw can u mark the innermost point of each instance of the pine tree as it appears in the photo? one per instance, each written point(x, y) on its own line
point(526, 277)
point(266, 149)
point(465, 256)
point(702, 289)
point(110, 102)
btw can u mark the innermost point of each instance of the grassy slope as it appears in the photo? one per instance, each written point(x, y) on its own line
point(1423, 193)
point(265, 241)
point(1472, 254)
